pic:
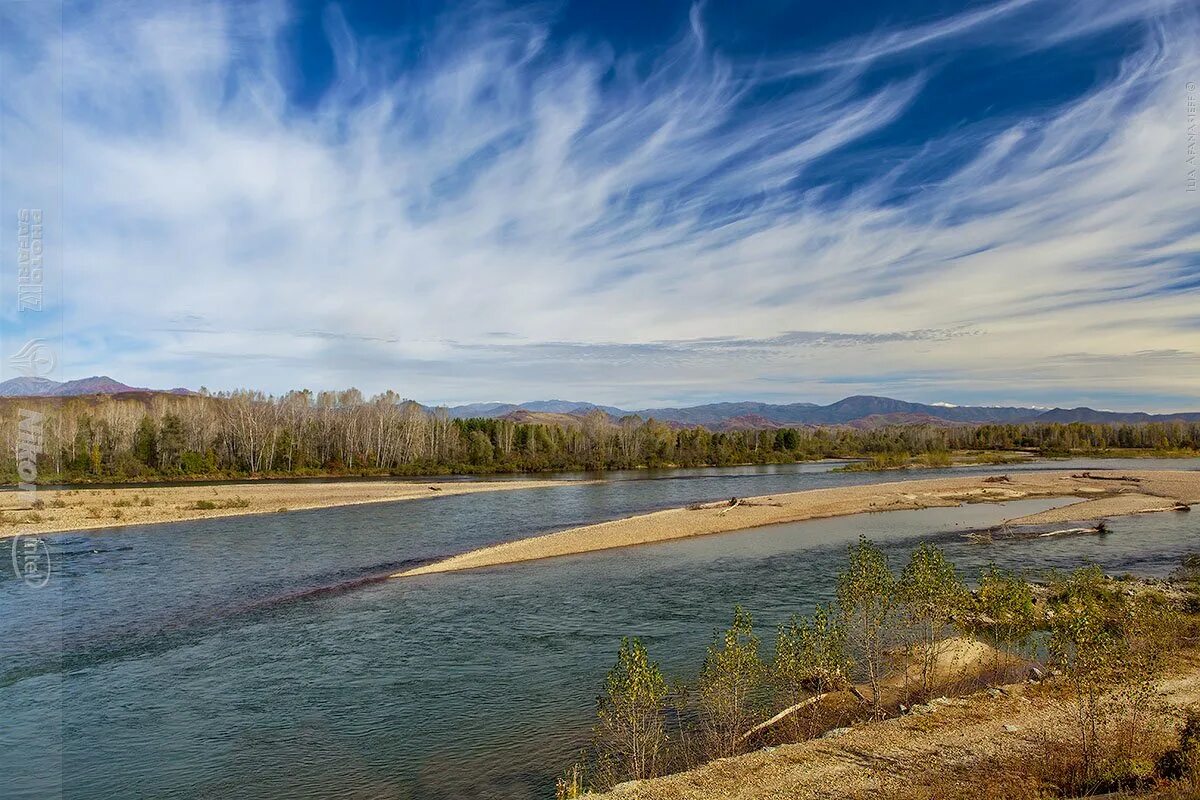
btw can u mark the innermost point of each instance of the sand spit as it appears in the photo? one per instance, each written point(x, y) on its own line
point(1163, 488)
point(87, 509)
point(1116, 506)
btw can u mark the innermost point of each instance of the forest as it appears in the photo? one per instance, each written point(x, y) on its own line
point(144, 436)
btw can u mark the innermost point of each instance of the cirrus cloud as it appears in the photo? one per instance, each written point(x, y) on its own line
point(642, 227)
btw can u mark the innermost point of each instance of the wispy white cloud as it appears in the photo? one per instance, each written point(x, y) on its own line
point(635, 224)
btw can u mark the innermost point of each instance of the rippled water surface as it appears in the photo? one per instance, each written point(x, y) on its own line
point(263, 657)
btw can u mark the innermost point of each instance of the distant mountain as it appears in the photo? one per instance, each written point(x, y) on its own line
point(715, 414)
point(567, 407)
point(884, 420)
point(97, 384)
point(1083, 414)
point(28, 387)
point(860, 411)
point(860, 407)
point(527, 417)
point(496, 410)
point(482, 410)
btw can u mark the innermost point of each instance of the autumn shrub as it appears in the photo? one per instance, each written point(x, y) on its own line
point(1182, 763)
point(1004, 610)
point(810, 661)
point(630, 734)
point(928, 594)
point(729, 689)
point(866, 596)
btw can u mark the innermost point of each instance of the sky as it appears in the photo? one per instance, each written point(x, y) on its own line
point(632, 203)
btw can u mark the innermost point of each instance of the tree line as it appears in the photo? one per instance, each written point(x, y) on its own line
point(143, 435)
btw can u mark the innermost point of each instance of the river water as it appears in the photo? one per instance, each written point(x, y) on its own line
point(263, 656)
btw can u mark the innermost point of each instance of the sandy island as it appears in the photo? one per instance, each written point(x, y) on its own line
point(1102, 493)
point(61, 510)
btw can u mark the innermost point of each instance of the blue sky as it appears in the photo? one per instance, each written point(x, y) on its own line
point(631, 203)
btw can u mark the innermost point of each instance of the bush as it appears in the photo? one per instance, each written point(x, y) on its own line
point(937, 458)
point(866, 594)
point(127, 465)
point(810, 660)
point(1184, 760)
point(929, 593)
point(1110, 647)
point(1004, 607)
point(729, 682)
point(630, 734)
point(193, 463)
point(1187, 576)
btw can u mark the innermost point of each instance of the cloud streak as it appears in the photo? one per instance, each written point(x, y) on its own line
point(644, 226)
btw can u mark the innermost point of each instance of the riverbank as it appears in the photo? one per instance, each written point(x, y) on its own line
point(956, 744)
point(903, 462)
point(855, 461)
point(1101, 493)
point(63, 510)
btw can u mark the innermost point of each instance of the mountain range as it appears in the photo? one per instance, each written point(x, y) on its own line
point(858, 411)
point(862, 411)
point(97, 384)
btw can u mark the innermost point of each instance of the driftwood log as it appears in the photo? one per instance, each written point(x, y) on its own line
point(732, 502)
point(782, 715)
point(1089, 476)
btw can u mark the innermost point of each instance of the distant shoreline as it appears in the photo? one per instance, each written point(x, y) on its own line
point(111, 482)
point(960, 459)
point(66, 510)
point(1106, 493)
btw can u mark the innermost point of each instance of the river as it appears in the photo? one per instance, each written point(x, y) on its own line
point(263, 656)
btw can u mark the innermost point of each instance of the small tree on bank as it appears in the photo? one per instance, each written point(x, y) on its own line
point(929, 592)
point(866, 601)
point(1004, 603)
point(810, 660)
point(1110, 644)
point(1089, 649)
point(728, 685)
point(630, 734)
